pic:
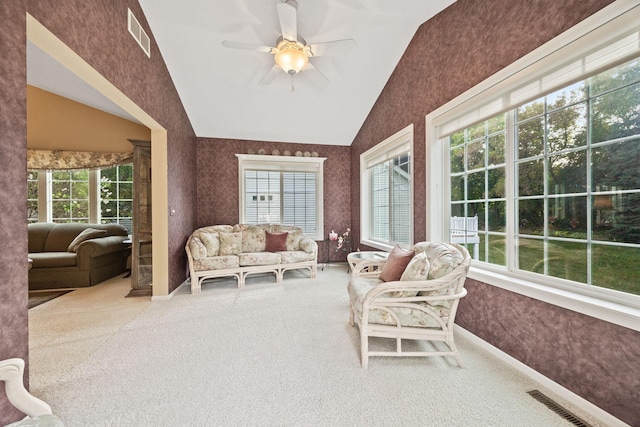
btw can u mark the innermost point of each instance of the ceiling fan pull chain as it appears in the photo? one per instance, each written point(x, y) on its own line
point(292, 87)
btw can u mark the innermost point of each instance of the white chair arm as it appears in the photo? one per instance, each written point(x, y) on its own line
point(368, 268)
point(11, 372)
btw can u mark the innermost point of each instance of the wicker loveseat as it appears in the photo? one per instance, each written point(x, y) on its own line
point(54, 264)
point(419, 303)
point(243, 249)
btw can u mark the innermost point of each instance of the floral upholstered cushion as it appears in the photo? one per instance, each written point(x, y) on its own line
point(197, 248)
point(276, 242)
point(230, 243)
point(216, 263)
point(396, 263)
point(253, 237)
point(409, 316)
point(293, 240)
point(419, 316)
point(211, 241)
point(416, 270)
point(258, 258)
point(443, 258)
point(288, 257)
point(308, 245)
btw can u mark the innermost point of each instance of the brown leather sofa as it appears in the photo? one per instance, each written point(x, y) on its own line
point(54, 266)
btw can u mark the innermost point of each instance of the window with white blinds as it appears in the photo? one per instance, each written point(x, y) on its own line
point(282, 190)
point(386, 208)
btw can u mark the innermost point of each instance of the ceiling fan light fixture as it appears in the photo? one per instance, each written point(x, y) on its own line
point(291, 56)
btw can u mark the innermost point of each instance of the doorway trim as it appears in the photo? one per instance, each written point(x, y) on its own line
point(39, 35)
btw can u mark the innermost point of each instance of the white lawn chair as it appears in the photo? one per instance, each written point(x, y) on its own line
point(464, 231)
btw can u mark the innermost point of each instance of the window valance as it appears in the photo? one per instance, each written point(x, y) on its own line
point(69, 160)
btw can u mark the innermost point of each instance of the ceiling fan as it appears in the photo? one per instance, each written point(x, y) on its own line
point(292, 53)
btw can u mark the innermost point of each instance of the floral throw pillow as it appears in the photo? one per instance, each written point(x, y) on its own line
point(230, 243)
point(418, 268)
point(211, 242)
point(276, 242)
point(293, 240)
point(197, 248)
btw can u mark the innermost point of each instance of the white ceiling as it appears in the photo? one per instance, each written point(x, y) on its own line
point(219, 86)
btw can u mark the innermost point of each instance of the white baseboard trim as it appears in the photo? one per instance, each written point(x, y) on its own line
point(580, 402)
point(168, 297)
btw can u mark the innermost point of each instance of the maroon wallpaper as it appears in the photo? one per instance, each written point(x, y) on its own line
point(97, 31)
point(594, 359)
point(457, 49)
point(218, 183)
point(14, 333)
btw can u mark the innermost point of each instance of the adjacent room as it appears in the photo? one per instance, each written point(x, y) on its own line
point(268, 212)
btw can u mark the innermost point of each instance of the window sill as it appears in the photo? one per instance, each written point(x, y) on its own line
point(377, 245)
point(616, 313)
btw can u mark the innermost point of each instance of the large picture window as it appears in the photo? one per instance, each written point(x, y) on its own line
point(543, 157)
point(282, 190)
point(85, 196)
point(386, 192)
point(576, 181)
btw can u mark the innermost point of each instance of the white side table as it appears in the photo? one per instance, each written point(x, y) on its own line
point(366, 263)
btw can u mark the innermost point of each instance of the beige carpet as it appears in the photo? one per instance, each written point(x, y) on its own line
point(266, 355)
point(40, 297)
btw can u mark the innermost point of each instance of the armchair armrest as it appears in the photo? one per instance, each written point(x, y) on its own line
point(308, 245)
point(97, 247)
point(368, 268)
point(448, 287)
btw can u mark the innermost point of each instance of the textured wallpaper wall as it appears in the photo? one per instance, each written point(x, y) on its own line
point(218, 183)
point(97, 31)
point(463, 45)
point(14, 334)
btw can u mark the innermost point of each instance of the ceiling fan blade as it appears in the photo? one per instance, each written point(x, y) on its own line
point(315, 74)
point(288, 24)
point(271, 74)
point(247, 46)
point(333, 47)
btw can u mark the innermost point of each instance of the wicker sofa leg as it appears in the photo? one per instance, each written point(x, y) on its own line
point(364, 347)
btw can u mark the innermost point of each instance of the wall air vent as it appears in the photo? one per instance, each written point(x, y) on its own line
point(139, 34)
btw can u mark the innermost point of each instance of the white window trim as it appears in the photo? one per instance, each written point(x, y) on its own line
point(611, 21)
point(388, 149)
point(44, 197)
point(45, 193)
point(285, 164)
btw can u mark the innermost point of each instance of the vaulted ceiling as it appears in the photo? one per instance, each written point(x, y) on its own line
point(220, 88)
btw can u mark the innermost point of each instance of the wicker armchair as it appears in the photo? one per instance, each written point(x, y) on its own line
point(38, 412)
point(422, 309)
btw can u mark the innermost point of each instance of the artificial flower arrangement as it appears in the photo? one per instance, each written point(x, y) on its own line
point(344, 240)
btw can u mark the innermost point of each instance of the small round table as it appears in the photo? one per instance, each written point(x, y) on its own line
point(355, 258)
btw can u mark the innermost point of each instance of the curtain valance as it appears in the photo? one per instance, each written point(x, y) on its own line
point(70, 160)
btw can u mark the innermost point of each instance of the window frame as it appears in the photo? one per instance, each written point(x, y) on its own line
point(397, 144)
point(484, 101)
point(44, 181)
point(284, 164)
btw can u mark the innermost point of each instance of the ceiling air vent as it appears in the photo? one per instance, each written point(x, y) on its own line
point(138, 33)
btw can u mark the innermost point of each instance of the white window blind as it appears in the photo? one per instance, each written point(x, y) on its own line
point(386, 202)
point(282, 190)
